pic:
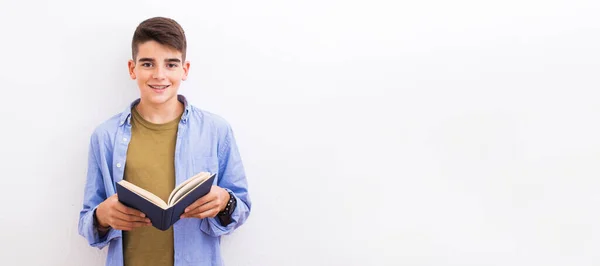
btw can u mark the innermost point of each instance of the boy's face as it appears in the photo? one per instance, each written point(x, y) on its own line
point(158, 70)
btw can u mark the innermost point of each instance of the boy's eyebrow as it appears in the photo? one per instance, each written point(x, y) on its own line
point(146, 59)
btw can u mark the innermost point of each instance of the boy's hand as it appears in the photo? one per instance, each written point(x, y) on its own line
point(113, 213)
point(209, 205)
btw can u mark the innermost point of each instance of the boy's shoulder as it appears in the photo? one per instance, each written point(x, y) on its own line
point(108, 128)
point(204, 116)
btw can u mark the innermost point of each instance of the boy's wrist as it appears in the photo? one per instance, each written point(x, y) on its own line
point(99, 225)
point(224, 216)
point(229, 207)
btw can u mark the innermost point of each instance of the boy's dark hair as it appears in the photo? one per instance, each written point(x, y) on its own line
point(165, 31)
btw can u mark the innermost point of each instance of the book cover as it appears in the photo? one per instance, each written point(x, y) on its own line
point(161, 218)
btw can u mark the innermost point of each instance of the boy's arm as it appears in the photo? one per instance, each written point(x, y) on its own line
point(232, 178)
point(94, 194)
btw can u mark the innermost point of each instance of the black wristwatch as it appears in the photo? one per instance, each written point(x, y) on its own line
point(225, 215)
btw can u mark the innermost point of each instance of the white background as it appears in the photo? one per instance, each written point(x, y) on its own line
point(373, 132)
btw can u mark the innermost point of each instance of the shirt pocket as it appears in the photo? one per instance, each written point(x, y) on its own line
point(206, 164)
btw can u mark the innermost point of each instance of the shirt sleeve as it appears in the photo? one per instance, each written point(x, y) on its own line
point(233, 179)
point(94, 194)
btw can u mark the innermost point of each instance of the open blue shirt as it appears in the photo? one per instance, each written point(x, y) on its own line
point(205, 142)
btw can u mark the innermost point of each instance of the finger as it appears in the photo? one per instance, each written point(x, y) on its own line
point(119, 222)
point(204, 208)
point(130, 211)
point(201, 201)
point(201, 209)
point(213, 205)
point(207, 214)
point(129, 218)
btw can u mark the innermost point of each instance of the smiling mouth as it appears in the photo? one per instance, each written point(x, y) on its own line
point(159, 87)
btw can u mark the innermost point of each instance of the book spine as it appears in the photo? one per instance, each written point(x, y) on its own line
point(166, 219)
point(162, 221)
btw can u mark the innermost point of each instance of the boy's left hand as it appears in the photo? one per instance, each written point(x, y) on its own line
point(209, 205)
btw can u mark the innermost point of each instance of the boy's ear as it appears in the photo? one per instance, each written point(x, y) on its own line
point(131, 66)
point(186, 70)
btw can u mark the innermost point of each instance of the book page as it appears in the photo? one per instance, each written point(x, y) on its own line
point(177, 188)
point(144, 194)
point(187, 186)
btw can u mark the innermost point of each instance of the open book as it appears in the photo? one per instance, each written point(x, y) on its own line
point(164, 214)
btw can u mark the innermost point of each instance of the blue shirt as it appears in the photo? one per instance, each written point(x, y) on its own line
point(205, 142)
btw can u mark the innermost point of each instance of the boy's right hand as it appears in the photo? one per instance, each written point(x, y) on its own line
point(113, 213)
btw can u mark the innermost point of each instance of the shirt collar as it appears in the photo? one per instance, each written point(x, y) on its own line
point(126, 115)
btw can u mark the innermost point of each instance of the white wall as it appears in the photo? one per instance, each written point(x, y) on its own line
point(373, 132)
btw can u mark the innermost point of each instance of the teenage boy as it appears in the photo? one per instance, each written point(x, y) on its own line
point(158, 142)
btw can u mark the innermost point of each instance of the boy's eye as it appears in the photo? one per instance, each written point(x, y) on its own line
point(146, 64)
point(172, 65)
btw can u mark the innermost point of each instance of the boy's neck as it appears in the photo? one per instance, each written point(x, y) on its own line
point(160, 114)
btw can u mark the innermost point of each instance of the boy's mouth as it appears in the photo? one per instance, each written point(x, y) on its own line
point(159, 87)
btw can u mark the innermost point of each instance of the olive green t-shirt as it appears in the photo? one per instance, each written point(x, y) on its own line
point(150, 165)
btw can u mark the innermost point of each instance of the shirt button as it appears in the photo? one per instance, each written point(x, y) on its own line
point(124, 139)
point(119, 165)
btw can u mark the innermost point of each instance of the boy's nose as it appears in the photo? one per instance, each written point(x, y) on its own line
point(159, 73)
